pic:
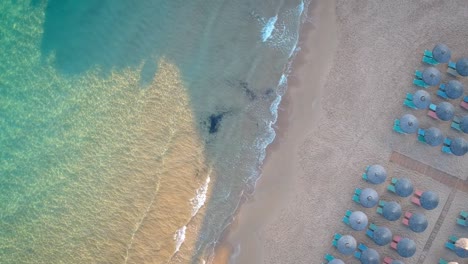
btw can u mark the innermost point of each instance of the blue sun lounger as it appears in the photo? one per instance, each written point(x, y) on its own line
point(396, 127)
point(421, 133)
point(391, 186)
point(456, 123)
point(446, 146)
point(452, 68)
point(370, 230)
point(364, 175)
point(361, 247)
point(335, 239)
point(346, 217)
point(427, 58)
point(463, 219)
point(409, 101)
point(329, 257)
point(356, 194)
point(418, 80)
point(380, 207)
point(441, 91)
point(451, 242)
point(443, 261)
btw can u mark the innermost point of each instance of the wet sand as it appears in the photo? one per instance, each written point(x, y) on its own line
point(348, 83)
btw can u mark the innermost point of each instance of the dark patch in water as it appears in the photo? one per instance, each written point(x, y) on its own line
point(215, 122)
point(148, 72)
point(269, 92)
point(250, 94)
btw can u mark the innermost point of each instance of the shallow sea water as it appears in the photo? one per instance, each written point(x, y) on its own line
point(129, 131)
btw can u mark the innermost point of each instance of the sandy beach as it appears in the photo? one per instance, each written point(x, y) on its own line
point(355, 67)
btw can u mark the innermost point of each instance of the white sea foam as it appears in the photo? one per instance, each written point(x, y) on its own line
point(199, 200)
point(179, 237)
point(268, 28)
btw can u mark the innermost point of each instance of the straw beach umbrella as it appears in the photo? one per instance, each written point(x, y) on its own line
point(433, 136)
point(454, 89)
point(431, 76)
point(370, 256)
point(368, 197)
point(441, 53)
point(421, 99)
point(464, 124)
point(462, 66)
point(403, 187)
point(391, 211)
point(429, 200)
point(461, 247)
point(382, 236)
point(445, 111)
point(346, 245)
point(406, 248)
point(409, 124)
point(336, 261)
point(376, 174)
point(459, 146)
point(358, 220)
point(418, 223)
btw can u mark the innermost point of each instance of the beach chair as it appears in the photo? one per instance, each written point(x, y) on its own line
point(391, 186)
point(397, 128)
point(421, 133)
point(364, 175)
point(328, 257)
point(441, 91)
point(356, 194)
point(463, 219)
point(395, 241)
point(446, 146)
point(452, 68)
point(450, 244)
point(428, 58)
point(370, 230)
point(380, 207)
point(406, 218)
point(361, 247)
point(408, 102)
point(336, 237)
point(346, 217)
point(456, 123)
point(464, 103)
point(443, 261)
point(416, 197)
point(418, 80)
point(432, 111)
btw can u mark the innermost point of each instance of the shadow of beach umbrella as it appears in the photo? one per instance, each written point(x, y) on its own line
point(441, 53)
point(336, 261)
point(382, 236)
point(462, 66)
point(454, 89)
point(409, 124)
point(370, 256)
point(445, 111)
point(418, 223)
point(429, 200)
point(461, 247)
point(433, 136)
point(369, 198)
point(346, 245)
point(376, 174)
point(421, 99)
point(404, 187)
point(358, 220)
point(464, 124)
point(391, 211)
point(431, 76)
point(406, 247)
point(459, 146)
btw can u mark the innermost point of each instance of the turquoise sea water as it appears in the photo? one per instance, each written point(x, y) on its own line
point(130, 129)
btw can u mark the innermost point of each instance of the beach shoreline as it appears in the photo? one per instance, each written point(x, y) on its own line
point(301, 101)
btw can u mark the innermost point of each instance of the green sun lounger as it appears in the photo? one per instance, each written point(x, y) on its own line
point(430, 61)
point(451, 243)
point(396, 126)
point(391, 186)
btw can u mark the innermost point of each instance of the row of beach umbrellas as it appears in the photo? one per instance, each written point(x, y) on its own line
point(442, 54)
point(433, 136)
